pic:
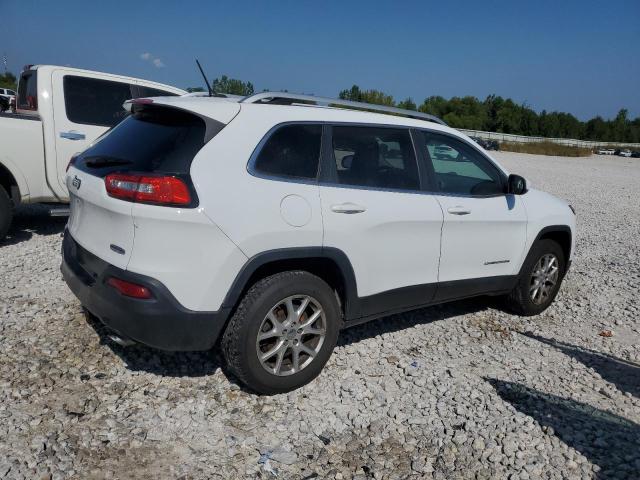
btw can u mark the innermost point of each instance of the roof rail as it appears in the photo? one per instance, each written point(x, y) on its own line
point(284, 98)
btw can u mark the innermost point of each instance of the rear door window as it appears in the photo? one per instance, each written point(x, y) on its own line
point(291, 151)
point(94, 101)
point(151, 140)
point(375, 157)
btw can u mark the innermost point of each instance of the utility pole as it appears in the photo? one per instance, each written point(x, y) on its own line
point(4, 60)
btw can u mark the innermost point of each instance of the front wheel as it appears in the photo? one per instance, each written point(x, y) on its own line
point(283, 332)
point(540, 278)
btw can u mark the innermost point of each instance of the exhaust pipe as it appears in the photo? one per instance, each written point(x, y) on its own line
point(122, 341)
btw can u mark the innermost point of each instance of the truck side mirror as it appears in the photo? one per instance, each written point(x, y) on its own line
point(516, 185)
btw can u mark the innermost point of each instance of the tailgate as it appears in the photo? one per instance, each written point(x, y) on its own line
point(99, 223)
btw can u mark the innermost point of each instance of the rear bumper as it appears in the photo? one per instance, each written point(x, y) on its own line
point(160, 322)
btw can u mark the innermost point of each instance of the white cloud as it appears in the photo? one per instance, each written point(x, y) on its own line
point(148, 57)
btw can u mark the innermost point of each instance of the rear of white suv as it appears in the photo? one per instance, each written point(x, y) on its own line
point(134, 208)
point(270, 227)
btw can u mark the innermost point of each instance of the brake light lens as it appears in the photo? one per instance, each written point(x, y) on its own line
point(129, 289)
point(153, 189)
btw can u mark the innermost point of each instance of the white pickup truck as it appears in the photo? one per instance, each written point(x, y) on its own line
point(59, 112)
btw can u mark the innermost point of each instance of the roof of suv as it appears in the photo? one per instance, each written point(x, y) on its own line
point(214, 107)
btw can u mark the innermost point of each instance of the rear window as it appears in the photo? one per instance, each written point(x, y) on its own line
point(291, 151)
point(28, 91)
point(92, 101)
point(151, 140)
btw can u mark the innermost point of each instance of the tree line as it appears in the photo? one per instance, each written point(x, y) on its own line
point(497, 114)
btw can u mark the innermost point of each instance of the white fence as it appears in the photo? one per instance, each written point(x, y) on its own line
point(507, 137)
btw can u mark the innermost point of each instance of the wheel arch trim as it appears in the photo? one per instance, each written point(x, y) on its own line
point(335, 255)
point(565, 229)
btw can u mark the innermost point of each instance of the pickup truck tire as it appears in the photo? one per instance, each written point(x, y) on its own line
point(539, 281)
point(6, 213)
point(265, 343)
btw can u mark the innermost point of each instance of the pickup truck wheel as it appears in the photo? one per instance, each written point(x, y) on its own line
point(539, 280)
point(6, 212)
point(282, 333)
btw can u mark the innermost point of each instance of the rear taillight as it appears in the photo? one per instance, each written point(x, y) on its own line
point(129, 289)
point(154, 189)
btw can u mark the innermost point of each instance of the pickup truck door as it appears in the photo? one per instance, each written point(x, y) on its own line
point(84, 107)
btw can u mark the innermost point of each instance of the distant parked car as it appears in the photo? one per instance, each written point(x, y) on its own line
point(635, 154)
point(605, 151)
point(444, 152)
point(625, 153)
point(6, 97)
point(481, 142)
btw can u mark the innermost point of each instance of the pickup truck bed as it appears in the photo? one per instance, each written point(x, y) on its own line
point(21, 141)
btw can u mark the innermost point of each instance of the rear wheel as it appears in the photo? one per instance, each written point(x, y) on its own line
point(540, 279)
point(6, 212)
point(282, 333)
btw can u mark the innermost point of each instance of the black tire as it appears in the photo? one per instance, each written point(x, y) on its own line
point(6, 213)
point(239, 342)
point(519, 301)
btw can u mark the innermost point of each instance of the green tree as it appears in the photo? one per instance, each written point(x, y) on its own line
point(408, 104)
point(367, 96)
point(232, 86)
point(8, 80)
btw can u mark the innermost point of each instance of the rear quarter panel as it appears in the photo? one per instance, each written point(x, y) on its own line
point(246, 207)
point(185, 251)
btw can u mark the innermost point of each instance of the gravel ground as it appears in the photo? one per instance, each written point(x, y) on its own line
point(456, 391)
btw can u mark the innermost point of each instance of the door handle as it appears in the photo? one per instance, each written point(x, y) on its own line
point(72, 135)
point(348, 208)
point(459, 210)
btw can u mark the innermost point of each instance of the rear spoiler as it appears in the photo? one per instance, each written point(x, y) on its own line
point(212, 127)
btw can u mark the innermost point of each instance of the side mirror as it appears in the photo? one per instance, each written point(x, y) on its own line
point(516, 185)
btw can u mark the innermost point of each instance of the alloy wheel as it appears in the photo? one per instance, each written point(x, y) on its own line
point(291, 335)
point(544, 278)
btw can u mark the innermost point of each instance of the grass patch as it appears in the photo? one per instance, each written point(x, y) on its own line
point(546, 148)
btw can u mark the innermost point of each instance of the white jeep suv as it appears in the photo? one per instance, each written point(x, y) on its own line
point(267, 224)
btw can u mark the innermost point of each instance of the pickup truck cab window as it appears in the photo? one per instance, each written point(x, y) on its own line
point(94, 101)
point(28, 91)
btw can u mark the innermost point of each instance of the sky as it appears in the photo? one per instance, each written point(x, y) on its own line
point(581, 57)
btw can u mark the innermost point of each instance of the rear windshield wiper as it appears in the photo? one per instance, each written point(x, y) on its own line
point(100, 161)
